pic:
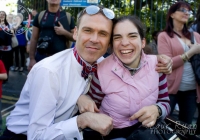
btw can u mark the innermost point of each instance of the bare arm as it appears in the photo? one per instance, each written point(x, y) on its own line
point(61, 31)
point(3, 76)
point(33, 45)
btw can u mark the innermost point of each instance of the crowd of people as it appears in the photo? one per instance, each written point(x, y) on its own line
point(82, 89)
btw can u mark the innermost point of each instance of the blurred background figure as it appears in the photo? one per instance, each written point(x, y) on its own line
point(196, 28)
point(153, 44)
point(6, 54)
point(175, 42)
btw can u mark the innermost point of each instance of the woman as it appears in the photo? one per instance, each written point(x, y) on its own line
point(6, 54)
point(20, 49)
point(122, 78)
point(175, 42)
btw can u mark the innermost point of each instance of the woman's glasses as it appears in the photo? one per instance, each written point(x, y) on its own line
point(93, 9)
point(185, 11)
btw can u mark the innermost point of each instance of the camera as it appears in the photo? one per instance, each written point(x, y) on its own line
point(43, 44)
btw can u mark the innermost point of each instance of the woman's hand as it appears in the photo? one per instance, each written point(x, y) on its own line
point(86, 104)
point(194, 49)
point(165, 64)
point(147, 115)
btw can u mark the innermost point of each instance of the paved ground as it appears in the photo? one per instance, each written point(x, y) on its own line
point(11, 90)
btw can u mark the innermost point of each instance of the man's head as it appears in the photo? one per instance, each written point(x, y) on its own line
point(93, 32)
point(34, 13)
point(54, 2)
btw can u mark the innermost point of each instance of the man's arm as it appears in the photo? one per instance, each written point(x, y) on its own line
point(164, 65)
point(3, 76)
point(33, 46)
point(93, 99)
point(61, 31)
point(44, 97)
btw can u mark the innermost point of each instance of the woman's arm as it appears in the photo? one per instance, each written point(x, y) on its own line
point(163, 98)
point(93, 99)
point(164, 47)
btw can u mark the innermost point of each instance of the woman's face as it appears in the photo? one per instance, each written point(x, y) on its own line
point(181, 15)
point(127, 44)
point(2, 15)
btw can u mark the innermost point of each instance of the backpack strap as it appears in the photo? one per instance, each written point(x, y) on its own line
point(68, 17)
point(192, 38)
point(41, 14)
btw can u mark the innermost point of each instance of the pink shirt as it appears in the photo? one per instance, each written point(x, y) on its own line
point(173, 48)
point(125, 94)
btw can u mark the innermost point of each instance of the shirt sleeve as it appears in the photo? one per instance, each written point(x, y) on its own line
point(44, 95)
point(95, 91)
point(36, 22)
point(2, 67)
point(163, 98)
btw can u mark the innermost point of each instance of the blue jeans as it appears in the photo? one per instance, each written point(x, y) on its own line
point(187, 104)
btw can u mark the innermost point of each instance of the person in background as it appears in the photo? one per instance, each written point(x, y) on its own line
point(175, 42)
point(20, 49)
point(153, 44)
point(120, 81)
point(196, 28)
point(34, 13)
point(3, 76)
point(6, 53)
point(51, 33)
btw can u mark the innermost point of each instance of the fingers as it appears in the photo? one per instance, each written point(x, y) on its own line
point(137, 115)
point(59, 23)
point(95, 108)
point(149, 124)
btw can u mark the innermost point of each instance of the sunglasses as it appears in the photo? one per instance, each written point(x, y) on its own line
point(185, 11)
point(93, 9)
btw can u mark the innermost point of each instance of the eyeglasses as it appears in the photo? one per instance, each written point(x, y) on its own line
point(93, 9)
point(185, 11)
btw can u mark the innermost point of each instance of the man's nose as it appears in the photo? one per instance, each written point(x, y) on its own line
point(94, 38)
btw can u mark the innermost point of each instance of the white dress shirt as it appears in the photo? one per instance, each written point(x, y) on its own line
point(48, 98)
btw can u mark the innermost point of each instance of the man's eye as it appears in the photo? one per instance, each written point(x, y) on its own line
point(87, 31)
point(103, 34)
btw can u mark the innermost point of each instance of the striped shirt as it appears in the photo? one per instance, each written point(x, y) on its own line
point(97, 95)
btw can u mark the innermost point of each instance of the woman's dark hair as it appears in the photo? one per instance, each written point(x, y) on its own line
point(197, 21)
point(5, 20)
point(135, 20)
point(169, 22)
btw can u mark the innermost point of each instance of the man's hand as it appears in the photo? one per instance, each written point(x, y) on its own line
point(147, 115)
point(86, 104)
point(59, 29)
point(31, 64)
point(165, 64)
point(96, 121)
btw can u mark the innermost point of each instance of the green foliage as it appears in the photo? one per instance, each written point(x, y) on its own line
point(151, 12)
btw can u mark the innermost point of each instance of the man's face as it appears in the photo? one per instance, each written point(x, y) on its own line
point(54, 1)
point(34, 12)
point(93, 36)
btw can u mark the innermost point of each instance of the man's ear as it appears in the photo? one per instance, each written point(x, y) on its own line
point(75, 33)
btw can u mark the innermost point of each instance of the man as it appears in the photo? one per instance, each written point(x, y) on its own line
point(34, 12)
point(48, 99)
point(50, 33)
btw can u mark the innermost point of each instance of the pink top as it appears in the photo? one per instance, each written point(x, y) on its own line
point(173, 48)
point(125, 94)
